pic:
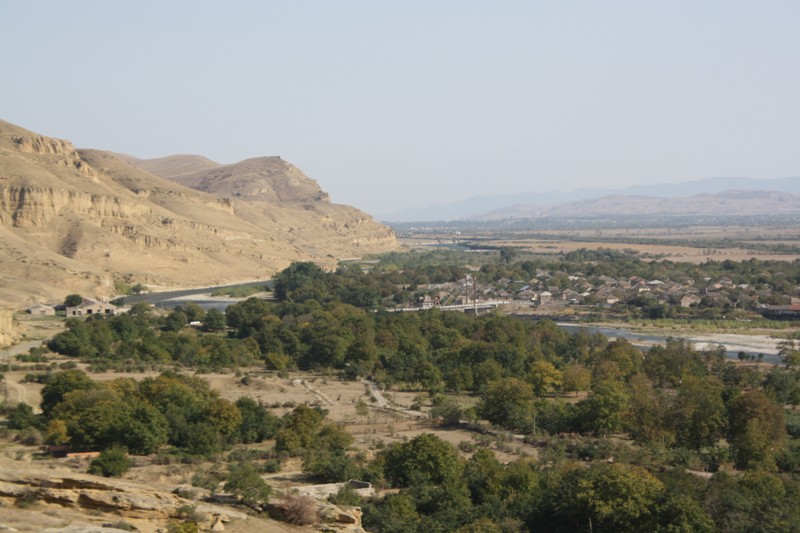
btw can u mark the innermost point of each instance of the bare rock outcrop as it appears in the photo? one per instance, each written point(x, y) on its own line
point(65, 153)
point(9, 332)
point(91, 494)
point(83, 220)
point(266, 179)
point(35, 206)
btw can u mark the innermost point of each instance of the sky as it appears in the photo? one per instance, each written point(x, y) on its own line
point(390, 105)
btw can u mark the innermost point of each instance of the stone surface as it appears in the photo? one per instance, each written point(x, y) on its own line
point(81, 221)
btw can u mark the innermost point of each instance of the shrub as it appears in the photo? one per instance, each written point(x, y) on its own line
point(207, 480)
point(185, 527)
point(124, 526)
point(21, 417)
point(300, 510)
point(26, 500)
point(113, 462)
point(466, 446)
point(31, 436)
point(346, 496)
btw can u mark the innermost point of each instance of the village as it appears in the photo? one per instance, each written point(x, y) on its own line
point(554, 291)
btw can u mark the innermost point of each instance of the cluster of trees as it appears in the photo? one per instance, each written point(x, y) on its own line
point(143, 417)
point(382, 285)
point(140, 336)
point(676, 397)
point(440, 491)
point(676, 401)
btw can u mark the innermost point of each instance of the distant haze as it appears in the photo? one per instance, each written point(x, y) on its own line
point(392, 105)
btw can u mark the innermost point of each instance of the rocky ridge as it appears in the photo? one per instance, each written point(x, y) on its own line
point(87, 220)
point(267, 179)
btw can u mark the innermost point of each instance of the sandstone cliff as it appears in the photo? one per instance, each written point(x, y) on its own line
point(84, 220)
point(8, 329)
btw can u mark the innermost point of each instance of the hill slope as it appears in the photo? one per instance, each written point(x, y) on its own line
point(82, 220)
point(268, 179)
point(723, 203)
point(474, 207)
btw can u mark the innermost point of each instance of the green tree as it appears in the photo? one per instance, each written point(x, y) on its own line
point(328, 459)
point(245, 316)
point(396, 514)
point(176, 320)
point(544, 377)
point(608, 498)
point(214, 320)
point(671, 363)
point(95, 418)
point(756, 431)
point(756, 502)
point(301, 281)
point(21, 417)
point(299, 429)
point(698, 414)
point(424, 459)
point(258, 424)
point(61, 384)
point(603, 411)
point(446, 412)
point(649, 421)
point(509, 402)
point(199, 420)
point(73, 300)
point(245, 482)
point(679, 513)
point(576, 378)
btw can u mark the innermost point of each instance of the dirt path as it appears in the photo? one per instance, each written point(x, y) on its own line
point(381, 402)
point(314, 391)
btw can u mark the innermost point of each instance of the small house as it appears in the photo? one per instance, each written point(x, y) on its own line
point(92, 307)
point(42, 310)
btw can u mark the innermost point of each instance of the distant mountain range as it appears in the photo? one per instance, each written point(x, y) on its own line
point(739, 203)
point(532, 204)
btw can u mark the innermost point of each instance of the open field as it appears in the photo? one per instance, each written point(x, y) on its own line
point(690, 244)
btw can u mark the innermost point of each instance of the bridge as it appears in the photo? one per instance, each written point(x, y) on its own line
point(471, 307)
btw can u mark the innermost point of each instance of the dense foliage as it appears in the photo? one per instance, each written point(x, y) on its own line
point(675, 407)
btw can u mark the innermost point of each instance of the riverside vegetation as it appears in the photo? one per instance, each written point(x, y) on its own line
point(676, 439)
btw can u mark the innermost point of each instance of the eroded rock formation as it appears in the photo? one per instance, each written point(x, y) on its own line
point(84, 220)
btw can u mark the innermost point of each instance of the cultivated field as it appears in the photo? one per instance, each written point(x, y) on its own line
point(690, 244)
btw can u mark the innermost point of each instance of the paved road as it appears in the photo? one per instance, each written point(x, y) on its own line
point(155, 298)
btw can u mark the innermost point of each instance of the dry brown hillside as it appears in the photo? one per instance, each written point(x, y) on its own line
point(81, 220)
point(267, 179)
point(171, 165)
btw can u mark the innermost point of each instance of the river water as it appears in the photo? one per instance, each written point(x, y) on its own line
point(734, 343)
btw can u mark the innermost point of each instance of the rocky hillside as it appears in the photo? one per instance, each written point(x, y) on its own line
point(267, 179)
point(86, 220)
point(58, 499)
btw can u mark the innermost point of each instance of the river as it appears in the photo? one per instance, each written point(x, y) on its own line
point(734, 343)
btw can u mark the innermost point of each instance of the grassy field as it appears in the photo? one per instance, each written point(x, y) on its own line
point(689, 244)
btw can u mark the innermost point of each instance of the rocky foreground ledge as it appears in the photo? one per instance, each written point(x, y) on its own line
point(72, 502)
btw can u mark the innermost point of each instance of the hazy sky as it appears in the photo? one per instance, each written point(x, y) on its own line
point(396, 104)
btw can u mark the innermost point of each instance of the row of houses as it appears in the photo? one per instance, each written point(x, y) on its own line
point(602, 290)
